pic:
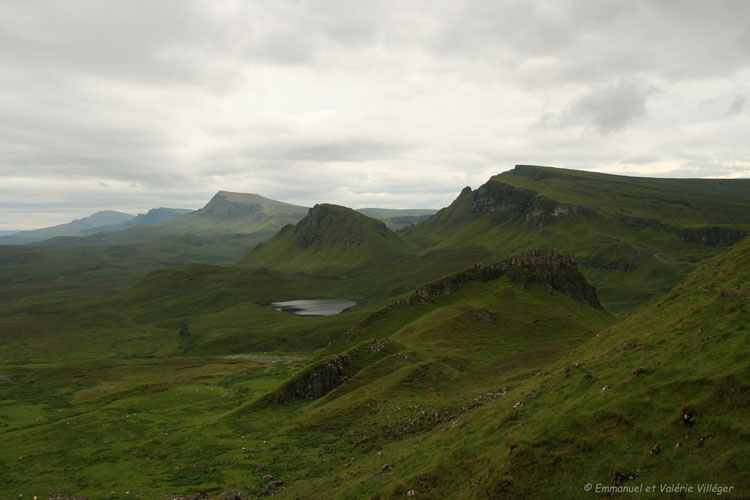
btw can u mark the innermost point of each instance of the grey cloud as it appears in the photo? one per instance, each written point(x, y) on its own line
point(737, 104)
point(606, 109)
point(707, 169)
point(342, 150)
point(342, 101)
point(594, 41)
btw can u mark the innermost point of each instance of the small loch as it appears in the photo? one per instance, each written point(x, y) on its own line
point(318, 307)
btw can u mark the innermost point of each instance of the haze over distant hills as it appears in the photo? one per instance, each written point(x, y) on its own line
point(77, 227)
point(225, 213)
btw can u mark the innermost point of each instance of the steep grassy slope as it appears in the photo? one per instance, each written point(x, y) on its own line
point(451, 396)
point(634, 238)
point(659, 399)
point(331, 239)
point(77, 227)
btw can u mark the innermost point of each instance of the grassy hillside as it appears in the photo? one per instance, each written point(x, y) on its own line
point(152, 426)
point(493, 390)
point(67, 269)
point(681, 202)
point(499, 376)
point(634, 237)
point(331, 239)
point(658, 399)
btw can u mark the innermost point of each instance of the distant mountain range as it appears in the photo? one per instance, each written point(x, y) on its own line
point(77, 227)
point(225, 213)
point(103, 221)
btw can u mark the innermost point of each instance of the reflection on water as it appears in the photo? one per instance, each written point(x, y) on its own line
point(321, 307)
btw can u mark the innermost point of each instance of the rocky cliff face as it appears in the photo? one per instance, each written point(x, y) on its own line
point(543, 267)
point(504, 203)
point(317, 381)
point(711, 236)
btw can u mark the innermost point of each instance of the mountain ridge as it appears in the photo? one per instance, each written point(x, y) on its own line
point(76, 227)
point(329, 237)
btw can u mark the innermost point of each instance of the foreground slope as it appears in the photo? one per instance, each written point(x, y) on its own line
point(634, 237)
point(470, 387)
point(659, 399)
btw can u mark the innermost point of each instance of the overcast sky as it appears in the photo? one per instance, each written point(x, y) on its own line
point(129, 105)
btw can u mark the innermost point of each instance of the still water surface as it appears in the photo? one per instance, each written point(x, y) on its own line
point(320, 307)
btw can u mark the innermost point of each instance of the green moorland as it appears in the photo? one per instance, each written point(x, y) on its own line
point(62, 272)
point(128, 370)
point(497, 390)
point(127, 414)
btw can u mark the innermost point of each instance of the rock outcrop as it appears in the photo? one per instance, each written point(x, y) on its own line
point(317, 381)
point(504, 202)
point(711, 236)
point(543, 267)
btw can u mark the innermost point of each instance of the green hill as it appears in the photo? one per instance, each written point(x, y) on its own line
point(634, 237)
point(329, 240)
point(477, 363)
point(680, 202)
point(658, 399)
point(226, 213)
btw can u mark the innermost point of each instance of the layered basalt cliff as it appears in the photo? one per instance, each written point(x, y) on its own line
point(504, 203)
point(711, 236)
point(543, 267)
point(317, 381)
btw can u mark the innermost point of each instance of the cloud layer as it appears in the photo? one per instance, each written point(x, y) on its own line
point(133, 105)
